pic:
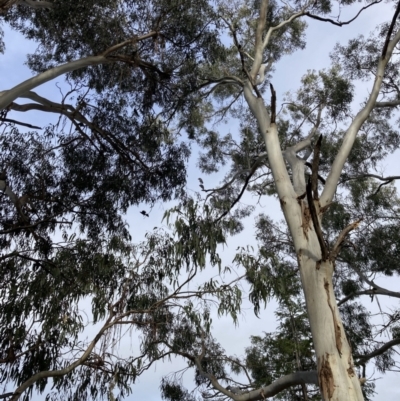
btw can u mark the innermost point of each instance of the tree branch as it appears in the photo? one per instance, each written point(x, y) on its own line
point(246, 182)
point(279, 385)
point(378, 177)
point(352, 131)
point(339, 23)
point(282, 24)
point(74, 115)
point(314, 217)
point(273, 104)
point(373, 291)
point(35, 4)
point(7, 97)
point(57, 373)
point(259, 45)
point(322, 179)
point(314, 168)
point(389, 34)
point(378, 351)
point(342, 236)
point(391, 103)
point(10, 120)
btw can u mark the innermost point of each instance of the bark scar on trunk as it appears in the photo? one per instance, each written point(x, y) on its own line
point(350, 370)
point(306, 218)
point(338, 334)
point(326, 381)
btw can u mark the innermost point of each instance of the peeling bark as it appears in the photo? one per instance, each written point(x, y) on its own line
point(338, 334)
point(325, 376)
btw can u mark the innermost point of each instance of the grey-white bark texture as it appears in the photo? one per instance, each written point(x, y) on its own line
point(336, 374)
point(279, 385)
point(8, 96)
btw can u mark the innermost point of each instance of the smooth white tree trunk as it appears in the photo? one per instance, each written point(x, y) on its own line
point(337, 377)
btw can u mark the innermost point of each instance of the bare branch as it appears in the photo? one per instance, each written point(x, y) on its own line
point(279, 385)
point(389, 34)
point(342, 236)
point(10, 120)
point(129, 41)
point(322, 179)
point(378, 351)
point(273, 104)
point(252, 171)
point(75, 116)
point(392, 103)
point(378, 177)
point(314, 168)
point(7, 97)
point(282, 24)
point(371, 292)
point(340, 23)
point(314, 217)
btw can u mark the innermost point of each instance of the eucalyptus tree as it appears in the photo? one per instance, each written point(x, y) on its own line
point(270, 157)
point(66, 189)
point(143, 73)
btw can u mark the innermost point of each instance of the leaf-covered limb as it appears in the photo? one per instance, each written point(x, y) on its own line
point(379, 351)
point(351, 133)
point(61, 372)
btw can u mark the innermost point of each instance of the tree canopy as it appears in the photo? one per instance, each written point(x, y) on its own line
point(147, 82)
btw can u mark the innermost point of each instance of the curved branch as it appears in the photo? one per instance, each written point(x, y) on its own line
point(282, 24)
point(74, 115)
point(7, 97)
point(378, 177)
point(342, 236)
point(389, 34)
point(378, 351)
point(246, 182)
point(279, 385)
point(371, 292)
point(57, 373)
point(339, 23)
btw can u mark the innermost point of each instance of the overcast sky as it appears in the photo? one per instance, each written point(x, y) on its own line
point(321, 38)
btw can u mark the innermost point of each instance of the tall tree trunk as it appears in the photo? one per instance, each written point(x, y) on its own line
point(336, 374)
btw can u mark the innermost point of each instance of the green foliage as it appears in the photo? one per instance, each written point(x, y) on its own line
point(124, 137)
